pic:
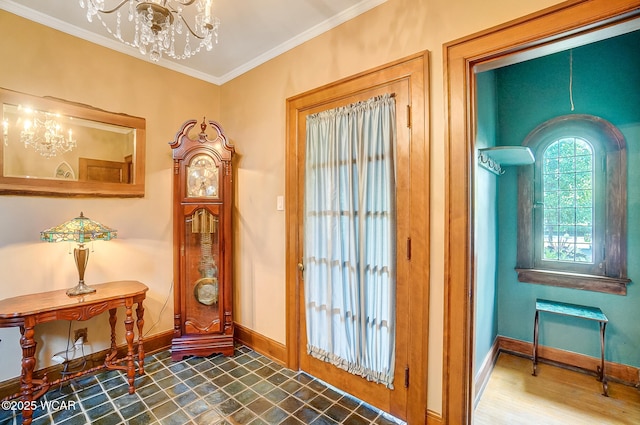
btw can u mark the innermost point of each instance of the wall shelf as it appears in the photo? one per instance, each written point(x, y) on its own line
point(495, 158)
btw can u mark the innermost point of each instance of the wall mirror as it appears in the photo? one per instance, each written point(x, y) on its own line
point(52, 147)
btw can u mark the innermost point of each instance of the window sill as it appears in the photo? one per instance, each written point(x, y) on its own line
point(609, 285)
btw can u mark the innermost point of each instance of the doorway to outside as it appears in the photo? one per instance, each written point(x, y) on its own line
point(564, 26)
point(405, 80)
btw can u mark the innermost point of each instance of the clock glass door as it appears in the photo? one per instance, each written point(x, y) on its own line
point(202, 256)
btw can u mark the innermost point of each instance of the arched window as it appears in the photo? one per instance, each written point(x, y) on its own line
point(566, 187)
point(572, 206)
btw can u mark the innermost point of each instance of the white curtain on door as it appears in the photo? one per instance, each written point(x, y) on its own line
point(350, 238)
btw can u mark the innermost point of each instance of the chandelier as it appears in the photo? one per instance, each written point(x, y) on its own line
point(42, 132)
point(159, 24)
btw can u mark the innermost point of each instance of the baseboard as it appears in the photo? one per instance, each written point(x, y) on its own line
point(484, 373)
point(261, 344)
point(433, 418)
point(614, 371)
point(152, 344)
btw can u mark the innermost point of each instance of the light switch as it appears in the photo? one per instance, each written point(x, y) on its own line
point(280, 203)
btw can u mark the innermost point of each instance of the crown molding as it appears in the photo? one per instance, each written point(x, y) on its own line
point(110, 43)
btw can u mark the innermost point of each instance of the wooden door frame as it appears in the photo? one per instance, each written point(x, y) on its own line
point(415, 68)
point(542, 30)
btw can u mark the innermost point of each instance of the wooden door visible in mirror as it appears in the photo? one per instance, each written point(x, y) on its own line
point(99, 170)
point(57, 148)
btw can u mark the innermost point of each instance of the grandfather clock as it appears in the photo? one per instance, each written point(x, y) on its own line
point(202, 245)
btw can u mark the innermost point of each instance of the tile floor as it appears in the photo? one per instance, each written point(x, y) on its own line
point(247, 388)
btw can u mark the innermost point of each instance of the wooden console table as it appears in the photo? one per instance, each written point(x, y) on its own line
point(28, 310)
point(573, 310)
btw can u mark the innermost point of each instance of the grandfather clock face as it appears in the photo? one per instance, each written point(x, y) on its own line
point(202, 177)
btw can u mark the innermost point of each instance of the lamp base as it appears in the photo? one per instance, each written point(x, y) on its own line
point(81, 255)
point(80, 289)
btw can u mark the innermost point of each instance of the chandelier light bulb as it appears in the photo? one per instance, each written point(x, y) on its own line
point(156, 24)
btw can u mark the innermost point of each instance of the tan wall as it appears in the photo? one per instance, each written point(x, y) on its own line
point(251, 109)
point(44, 62)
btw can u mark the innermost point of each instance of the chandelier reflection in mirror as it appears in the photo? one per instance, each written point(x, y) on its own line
point(42, 132)
point(158, 25)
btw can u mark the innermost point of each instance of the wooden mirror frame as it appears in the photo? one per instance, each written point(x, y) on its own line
point(75, 188)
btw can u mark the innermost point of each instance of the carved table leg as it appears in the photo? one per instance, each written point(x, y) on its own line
point(128, 325)
point(28, 345)
point(140, 316)
point(112, 322)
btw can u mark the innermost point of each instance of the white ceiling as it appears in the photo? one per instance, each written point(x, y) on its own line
point(251, 31)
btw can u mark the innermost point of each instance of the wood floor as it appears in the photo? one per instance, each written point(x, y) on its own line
point(555, 397)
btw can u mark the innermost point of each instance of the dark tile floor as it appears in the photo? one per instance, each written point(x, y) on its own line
point(247, 388)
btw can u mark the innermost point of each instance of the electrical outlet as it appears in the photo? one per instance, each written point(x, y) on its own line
point(81, 333)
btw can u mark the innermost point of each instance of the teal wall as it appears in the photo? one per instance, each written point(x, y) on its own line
point(606, 83)
point(485, 225)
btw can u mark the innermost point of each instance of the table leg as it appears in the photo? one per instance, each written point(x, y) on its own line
point(601, 372)
point(112, 322)
point(128, 325)
point(140, 323)
point(28, 344)
point(535, 342)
